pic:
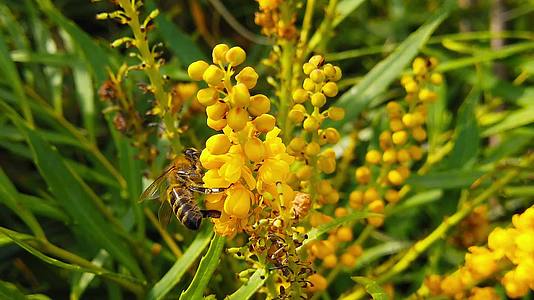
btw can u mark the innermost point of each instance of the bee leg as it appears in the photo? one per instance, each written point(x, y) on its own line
point(205, 190)
point(210, 213)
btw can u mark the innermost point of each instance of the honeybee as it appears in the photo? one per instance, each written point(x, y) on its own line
point(175, 188)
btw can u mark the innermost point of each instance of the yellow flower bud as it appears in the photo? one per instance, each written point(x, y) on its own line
point(389, 156)
point(375, 221)
point(318, 283)
point(348, 260)
point(363, 175)
point(341, 212)
point(427, 95)
point(394, 109)
point(327, 162)
point(419, 66)
point(373, 157)
point(385, 139)
point(419, 134)
point(318, 99)
point(415, 152)
point(317, 76)
point(296, 116)
point(297, 144)
point(396, 124)
point(208, 96)
point(344, 234)
point(399, 137)
point(332, 197)
point(404, 171)
point(239, 96)
point(408, 120)
point(370, 195)
point(259, 104)
point(237, 118)
point(418, 118)
point(312, 149)
point(330, 261)
point(308, 68)
point(356, 199)
point(403, 156)
point(330, 89)
point(264, 123)
point(336, 113)
point(237, 202)
point(248, 77)
point(329, 71)
point(395, 177)
point(436, 78)
point(311, 124)
point(254, 149)
point(392, 196)
point(218, 144)
point(235, 56)
point(338, 74)
point(411, 87)
point(332, 135)
point(218, 53)
point(355, 250)
point(316, 60)
point(197, 69)
point(308, 85)
point(216, 124)
point(377, 206)
point(304, 172)
point(217, 110)
point(213, 75)
point(300, 95)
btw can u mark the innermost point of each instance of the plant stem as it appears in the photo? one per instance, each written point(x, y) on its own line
point(166, 237)
point(288, 54)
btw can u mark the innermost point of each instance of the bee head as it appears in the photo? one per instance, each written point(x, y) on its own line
point(192, 154)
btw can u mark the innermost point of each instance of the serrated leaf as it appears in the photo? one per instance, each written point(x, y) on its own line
point(445, 180)
point(175, 274)
point(253, 284)
point(372, 288)
point(357, 98)
point(205, 270)
point(467, 139)
point(317, 232)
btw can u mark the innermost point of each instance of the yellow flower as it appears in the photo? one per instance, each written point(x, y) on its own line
point(238, 200)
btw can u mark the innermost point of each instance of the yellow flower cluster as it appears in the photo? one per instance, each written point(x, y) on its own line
point(506, 247)
point(387, 167)
point(272, 21)
point(474, 229)
point(248, 155)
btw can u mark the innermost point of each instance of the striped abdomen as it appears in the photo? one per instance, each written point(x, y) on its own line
point(185, 209)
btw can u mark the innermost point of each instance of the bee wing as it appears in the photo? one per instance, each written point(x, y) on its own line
point(154, 190)
point(164, 213)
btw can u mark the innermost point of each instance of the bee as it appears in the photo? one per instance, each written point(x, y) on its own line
point(176, 187)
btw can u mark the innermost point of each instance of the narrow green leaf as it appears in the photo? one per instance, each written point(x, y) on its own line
point(205, 270)
point(374, 253)
point(86, 97)
point(514, 120)
point(49, 59)
point(317, 232)
point(76, 199)
point(467, 139)
point(10, 291)
point(43, 207)
point(357, 98)
point(253, 284)
point(445, 180)
point(82, 281)
point(416, 200)
point(175, 274)
point(372, 288)
point(345, 8)
point(513, 142)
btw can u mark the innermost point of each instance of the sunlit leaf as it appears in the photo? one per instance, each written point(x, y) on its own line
point(376, 292)
point(251, 286)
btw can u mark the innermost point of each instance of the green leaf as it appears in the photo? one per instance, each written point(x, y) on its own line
point(317, 232)
point(357, 98)
point(467, 139)
point(445, 180)
point(175, 274)
point(345, 8)
point(372, 288)
point(10, 291)
point(514, 120)
point(418, 199)
point(205, 270)
point(253, 284)
point(82, 281)
point(374, 253)
point(78, 200)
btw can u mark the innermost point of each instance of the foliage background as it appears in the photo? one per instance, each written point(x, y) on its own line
point(69, 181)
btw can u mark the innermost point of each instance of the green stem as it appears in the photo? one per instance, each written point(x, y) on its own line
point(288, 54)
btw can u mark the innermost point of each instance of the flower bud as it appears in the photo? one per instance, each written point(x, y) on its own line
point(427, 95)
point(399, 137)
point(327, 162)
point(392, 196)
point(330, 89)
point(332, 135)
point(213, 75)
point(356, 199)
point(239, 96)
point(259, 104)
point(363, 175)
point(436, 78)
point(373, 157)
point(415, 152)
point(370, 195)
point(312, 149)
point(217, 110)
point(207, 96)
point(385, 139)
point(248, 77)
point(344, 234)
point(330, 261)
point(419, 134)
point(316, 60)
point(304, 172)
point(389, 156)
point(308, 68)
point(419, 66)
point(336, 113)
point(338, 74)
point(235, 56)
point(308, 85)
point(254, 149)
point(396, 124)
point(311, 124)
point(377, 206)
point(218, 53)
point(329, 71)
point(237, 118)
point(237, 202)
point(403, 156)
point(218, 144)
point(197, 69)
point(216, 124)
point(296, 116)
point(411, 87)
point(300, 95)
point(264, 123)
point(297, 144)
point(317, 76)
point(318, 283)
point(318, 99)
point(395, 177)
